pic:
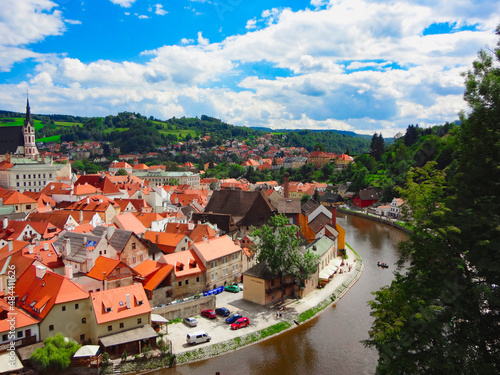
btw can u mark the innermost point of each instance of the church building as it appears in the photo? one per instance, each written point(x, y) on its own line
point(19, 140)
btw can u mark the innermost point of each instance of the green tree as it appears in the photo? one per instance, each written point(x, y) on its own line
point(441, 315)
point(55, 355)
point(377, 146)
point(122, 172)
point(277, 244)
point(304, 264)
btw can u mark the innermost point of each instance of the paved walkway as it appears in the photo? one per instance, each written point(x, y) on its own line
point(260, 317)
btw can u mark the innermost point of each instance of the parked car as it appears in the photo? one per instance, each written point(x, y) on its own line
point(240, 323)
point(222, 311)
point(210, 314)
point(232, 288)
point(197, 337)
point(233, 318)
point(191, 322)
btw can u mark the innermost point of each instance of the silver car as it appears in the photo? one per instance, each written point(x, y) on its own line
point(190, 322)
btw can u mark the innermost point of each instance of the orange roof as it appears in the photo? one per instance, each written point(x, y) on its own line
point(85, 189)
point(52, 289)
point(103, 266)
point(21, 318)
point(111, 304)
point(141, 166)
point(14, 197)
point(216, 248)
point(192, 264)
point(165, 241)
point(153, 273)
point(48, 257)
point(128, 221)
point(146, 218)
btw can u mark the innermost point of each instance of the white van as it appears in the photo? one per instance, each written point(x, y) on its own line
point(194, 338)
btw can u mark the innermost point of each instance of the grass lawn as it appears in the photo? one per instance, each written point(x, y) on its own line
point(54, 138)
point(64, 123)
point(19, 121)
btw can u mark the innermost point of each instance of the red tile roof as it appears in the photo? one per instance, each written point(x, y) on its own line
point(153, 273)
point(192, 265)
point(21, 319)
point(38, 296)
point(110, 305)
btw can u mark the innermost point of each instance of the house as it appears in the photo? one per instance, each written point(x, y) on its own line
point(330, 199)
point(129, 222)
point(395, 208)
point(367, 197)
point(62, 219)
point(27, 230)
point(313, 219)
point(222, 259)
point(263, 287)
point(169, 242)
point(17, 201)
point(101, 182)
point(25, 332)
point(127, 246)
point(81, 250)
point(343, 161)
point(120, 320)
point(237, 211)
point(111, 273)
point(196, 232)
point(188, 273)
point(115, 166)
point(325, 248)
point(105, 207)
point(56, 302)
point(156, 278)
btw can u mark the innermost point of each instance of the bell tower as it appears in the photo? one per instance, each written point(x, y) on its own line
point(30, 149)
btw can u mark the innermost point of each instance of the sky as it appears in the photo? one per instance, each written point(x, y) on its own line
point(355, 65)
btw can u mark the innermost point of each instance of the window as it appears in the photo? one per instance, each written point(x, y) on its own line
point(235, 268)
point(198, 279)
point(186, 282)
point(134, 259)
point(17, 184)
point(133, 245)
point(122, 325)
point(76, 306)
point(235, 256)
point(224, 260)
point(28, 207)
point(213, 276)
point(179, 283)
point(82, 337)
point(51, 327)
point(63, 308)
point(27, 333)
point(141, 258)
point(139, 320)
point(225, 272)
point(17, 177)
point(4, 337)
point(84, 320)
point(19, 334)
point(213, 264)
point(110, 328)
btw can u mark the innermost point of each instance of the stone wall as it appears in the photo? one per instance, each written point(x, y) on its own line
point(187, 308)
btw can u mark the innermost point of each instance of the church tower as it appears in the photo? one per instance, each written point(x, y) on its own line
point(30, 149)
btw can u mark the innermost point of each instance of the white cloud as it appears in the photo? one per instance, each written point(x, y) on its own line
point(202, 41)
point(123, 3)
point(73, 22)
point(141, 16)
point(251, 24)
point(355, 65)
point(159, 10)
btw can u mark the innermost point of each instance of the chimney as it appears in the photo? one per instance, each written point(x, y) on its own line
point(67, 246)
point(30, 248)
point(127, 296)
point(5, 223)
point(43, 158)
point(84, 240)
point(333, 220)
point(40, 272)
point(68, 271)
point(11, 246)
point(157, 238)
point(88, 199)
point(81, 217)
point(286, 186)
point(46, 246)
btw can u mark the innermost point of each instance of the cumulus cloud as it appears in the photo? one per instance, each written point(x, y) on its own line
point(159, 10)
point(348, 64)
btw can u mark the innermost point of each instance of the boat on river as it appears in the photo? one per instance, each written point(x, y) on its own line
point(383, 265)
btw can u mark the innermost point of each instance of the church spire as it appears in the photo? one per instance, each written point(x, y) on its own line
point(28, 120)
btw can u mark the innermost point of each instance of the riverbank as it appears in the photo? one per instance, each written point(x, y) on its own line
point(378, 219)
point(264, 323)
point(294, 313)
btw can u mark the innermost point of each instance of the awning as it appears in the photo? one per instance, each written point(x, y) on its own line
point(136, 334)
point(324, 275)
point(8, 364)
point(336, 262)
point(157, 318)
point(87, 351)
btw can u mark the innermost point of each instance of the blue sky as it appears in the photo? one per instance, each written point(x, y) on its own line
point(358, 65)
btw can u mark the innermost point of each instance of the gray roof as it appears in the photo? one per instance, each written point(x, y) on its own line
point(331, 198)
point(288, 206)
point(78, 243)
point(136, 334)
point(119, 238)
point(321, 245)
point(309, 206)
point(261, 271)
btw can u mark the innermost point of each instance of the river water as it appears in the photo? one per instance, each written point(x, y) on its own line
point(329, 343)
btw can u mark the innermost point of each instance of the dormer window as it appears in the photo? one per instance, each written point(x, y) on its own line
point(108, 309)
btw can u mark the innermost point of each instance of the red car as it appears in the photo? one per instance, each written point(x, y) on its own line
point(210, 314)
point(240, 323)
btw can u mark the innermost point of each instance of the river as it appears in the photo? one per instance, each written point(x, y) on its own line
point(329, 343)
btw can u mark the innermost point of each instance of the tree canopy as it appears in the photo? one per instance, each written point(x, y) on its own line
point(55, 355)
point(441, 314)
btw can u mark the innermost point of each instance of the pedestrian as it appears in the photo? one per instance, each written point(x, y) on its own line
point(280, 314)
point(276, 315)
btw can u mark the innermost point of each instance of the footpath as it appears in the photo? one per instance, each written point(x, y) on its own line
point(264, 322)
